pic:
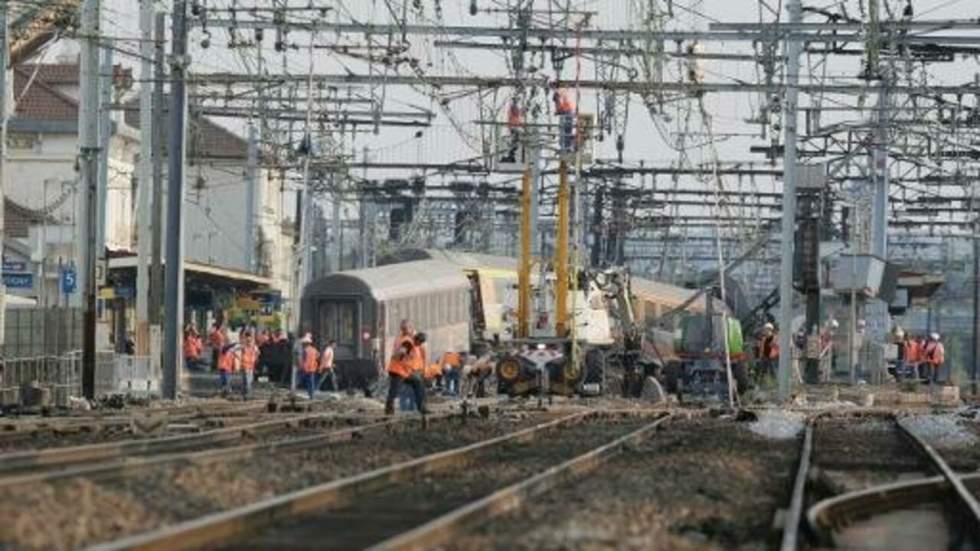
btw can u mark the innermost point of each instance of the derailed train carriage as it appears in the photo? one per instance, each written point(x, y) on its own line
point(463, 301)
point(362, 309)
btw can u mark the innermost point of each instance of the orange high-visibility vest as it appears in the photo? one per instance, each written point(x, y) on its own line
point(565, 103)
point(217, 339)
point(311, 359)
point(227, 360)
point(250, 357)
point(401, 367)
point(934, 354)
point(912, 352)
point(190, 347)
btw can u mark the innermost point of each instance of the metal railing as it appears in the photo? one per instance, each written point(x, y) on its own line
point(62, 376)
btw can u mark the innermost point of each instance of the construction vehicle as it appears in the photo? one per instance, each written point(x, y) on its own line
point(710, 356)
point(562, 351)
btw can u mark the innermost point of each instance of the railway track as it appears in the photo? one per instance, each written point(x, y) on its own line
point(371, 507)
point(80, 431)
point(57, 458)
point(866, 482)
point(146, 493)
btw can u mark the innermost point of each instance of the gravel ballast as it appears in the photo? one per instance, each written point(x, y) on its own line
point(697, 484)
point(163, 495)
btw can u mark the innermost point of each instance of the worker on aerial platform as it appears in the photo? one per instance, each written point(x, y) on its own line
point(515, 122)
point(565, 109)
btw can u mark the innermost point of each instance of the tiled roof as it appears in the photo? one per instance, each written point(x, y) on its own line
point(42, 101)
point(54, 73)
point(205, 138)
point(17, 219)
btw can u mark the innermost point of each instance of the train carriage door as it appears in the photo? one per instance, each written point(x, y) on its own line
point(339, 320)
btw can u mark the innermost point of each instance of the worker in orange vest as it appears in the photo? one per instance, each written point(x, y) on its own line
point(452, 366)
point(249, 361)
point(192, 348)
point(934, 356)
point(310, 364)
point(515, 120)
point(217, 338)
point(404, 368)
point(767, 352)
point(229, 361)
point(564, 105)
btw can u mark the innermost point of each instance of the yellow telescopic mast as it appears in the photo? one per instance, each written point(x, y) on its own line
point(524, 269)
point(561, 253)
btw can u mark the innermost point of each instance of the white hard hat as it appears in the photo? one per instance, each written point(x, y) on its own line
point(768, 326)
point(934, 336)
point(834, 324)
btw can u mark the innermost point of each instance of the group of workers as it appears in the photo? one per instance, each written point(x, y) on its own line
point(920, 357)
point(409, 367)
point(229, 355)
point(316, 367)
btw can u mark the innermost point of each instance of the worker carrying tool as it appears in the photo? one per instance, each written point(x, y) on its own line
point(404, 368)
point(934, 356)
point(249, 361)
point(311, 364)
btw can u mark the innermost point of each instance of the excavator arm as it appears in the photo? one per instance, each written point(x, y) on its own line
point(38, 25)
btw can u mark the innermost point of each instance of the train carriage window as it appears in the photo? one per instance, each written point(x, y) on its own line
point(454, 307)
point(338, 320)
point(444, 308)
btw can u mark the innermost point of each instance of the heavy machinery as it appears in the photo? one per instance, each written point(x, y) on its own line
point(561, 352)
point(710, 355)
point(628, 355)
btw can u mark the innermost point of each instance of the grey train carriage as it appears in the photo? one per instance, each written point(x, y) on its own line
point(362, 309)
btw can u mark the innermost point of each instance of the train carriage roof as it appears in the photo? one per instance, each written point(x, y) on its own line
point(464, 260)
point(666, 294)
point(391, 281)
point(473, 261)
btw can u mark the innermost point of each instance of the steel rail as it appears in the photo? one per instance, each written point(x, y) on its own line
point(126, 466)
point(969, 506)
point(50, 458)
point(829, 515)
point(88, 423)
point(452, 524)
point(227, 526)
point(794, 515)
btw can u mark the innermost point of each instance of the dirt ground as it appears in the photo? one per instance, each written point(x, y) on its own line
point(83, 512)
point(697, 484)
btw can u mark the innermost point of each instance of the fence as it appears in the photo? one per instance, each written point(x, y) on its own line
point(41, 332)
point(52, 380)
